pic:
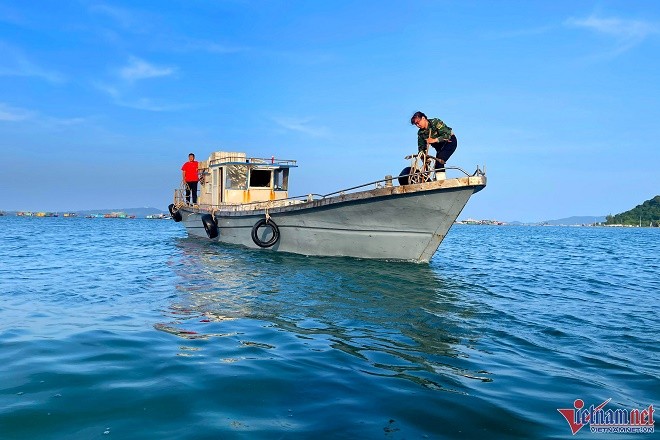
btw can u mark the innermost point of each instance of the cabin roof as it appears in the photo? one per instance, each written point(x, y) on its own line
point(262, 163)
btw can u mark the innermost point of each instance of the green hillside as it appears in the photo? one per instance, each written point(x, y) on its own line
point(647, 213)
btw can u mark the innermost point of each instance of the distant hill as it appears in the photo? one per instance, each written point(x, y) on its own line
point(576, 220)
point(648, 213)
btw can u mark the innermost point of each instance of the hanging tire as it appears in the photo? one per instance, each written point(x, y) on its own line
point(176, 215)
point(255, 233)
point(210, 225)
point(404, 178)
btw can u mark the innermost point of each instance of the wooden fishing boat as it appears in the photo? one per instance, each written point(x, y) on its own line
point(245, 201)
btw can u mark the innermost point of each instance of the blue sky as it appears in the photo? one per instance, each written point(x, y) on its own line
point(101, 101)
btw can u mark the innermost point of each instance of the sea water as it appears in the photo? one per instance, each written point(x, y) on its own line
point(128, 329)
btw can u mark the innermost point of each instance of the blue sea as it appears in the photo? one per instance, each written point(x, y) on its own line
point(128, 329)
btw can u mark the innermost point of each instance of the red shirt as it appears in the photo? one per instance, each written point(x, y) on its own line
point(190, 170)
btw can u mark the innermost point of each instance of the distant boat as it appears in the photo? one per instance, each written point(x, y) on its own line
point(157, 216)
point(245, 201)
point(117, 215)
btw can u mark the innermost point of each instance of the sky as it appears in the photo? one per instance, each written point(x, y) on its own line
point(101, 101)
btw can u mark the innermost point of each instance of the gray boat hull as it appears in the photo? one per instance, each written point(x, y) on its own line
point(398, 223)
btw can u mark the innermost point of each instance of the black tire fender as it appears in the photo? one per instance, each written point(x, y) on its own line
point(210, 225)
point(255, 233)
point(176, 215)
point(404, 178)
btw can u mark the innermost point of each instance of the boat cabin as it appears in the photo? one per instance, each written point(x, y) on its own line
point(233, 178)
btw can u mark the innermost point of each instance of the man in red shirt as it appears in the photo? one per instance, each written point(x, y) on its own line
point(191, 177)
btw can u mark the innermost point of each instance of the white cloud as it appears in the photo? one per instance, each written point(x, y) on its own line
point(107, 89)
point(627, 33)
point(66, 122)
point(189, 45)
point(616, 26)
point(304, 126)
point(526, 32)
point(13, 114)
point(138, 69)
point(121, 96)
point(127, 19)
point(14, 63)
point(148, 105)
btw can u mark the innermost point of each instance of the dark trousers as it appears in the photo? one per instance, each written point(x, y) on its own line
point(444, 150)
point(191, 188)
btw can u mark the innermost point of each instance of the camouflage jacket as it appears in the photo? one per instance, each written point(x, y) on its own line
point(436, 129)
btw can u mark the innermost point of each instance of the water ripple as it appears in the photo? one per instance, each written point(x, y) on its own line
point(129, 328)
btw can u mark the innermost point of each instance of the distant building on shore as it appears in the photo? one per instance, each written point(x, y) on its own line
point(110, 215)
point(471, 221)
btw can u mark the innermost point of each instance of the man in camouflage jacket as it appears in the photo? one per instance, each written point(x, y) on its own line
point(435, 133)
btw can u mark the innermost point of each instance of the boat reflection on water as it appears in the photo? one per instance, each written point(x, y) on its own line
point(393, 319)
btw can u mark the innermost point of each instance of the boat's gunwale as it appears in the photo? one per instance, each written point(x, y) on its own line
point(244, 210)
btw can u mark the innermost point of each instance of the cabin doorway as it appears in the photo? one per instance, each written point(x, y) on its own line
point(217, 186)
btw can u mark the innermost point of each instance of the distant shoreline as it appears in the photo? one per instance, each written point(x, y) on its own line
point(147, 212)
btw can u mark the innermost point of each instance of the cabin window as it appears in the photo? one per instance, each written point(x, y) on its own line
point(281, 180)
point(236, 177)
point(260, 178)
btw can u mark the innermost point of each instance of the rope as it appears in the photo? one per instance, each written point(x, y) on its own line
point(420, 174)
point(268, 206)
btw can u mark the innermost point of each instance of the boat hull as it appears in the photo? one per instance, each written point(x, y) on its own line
point(399, 223)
